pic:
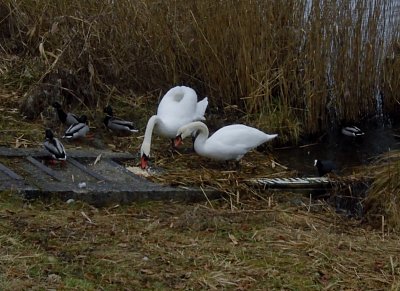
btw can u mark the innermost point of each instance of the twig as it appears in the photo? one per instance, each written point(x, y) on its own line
point(205, 195)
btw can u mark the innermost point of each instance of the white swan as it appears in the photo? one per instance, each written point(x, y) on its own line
point(178, 107)
point(231, 142)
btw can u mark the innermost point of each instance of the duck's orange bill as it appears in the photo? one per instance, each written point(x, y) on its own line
point(178, 141)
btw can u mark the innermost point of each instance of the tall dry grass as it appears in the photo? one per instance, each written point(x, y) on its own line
point(384, 193)
point(293, 66)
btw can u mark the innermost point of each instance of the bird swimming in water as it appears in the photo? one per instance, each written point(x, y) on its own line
point(352, 131)
point(324, 167)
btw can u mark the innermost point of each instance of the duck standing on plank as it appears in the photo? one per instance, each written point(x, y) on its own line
point(53, 146)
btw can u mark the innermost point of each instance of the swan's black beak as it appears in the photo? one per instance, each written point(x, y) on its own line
point(144, 162)
point(178, 141)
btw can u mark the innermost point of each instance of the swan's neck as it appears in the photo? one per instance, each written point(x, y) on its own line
point(202, 136)
point(148, 134)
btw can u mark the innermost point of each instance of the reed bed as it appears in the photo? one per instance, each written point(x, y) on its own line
point(293, 67)
point(382, 202)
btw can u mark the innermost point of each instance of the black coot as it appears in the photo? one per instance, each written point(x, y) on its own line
point(324, 167)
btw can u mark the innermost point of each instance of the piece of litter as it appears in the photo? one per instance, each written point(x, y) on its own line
point(97, 159)
point(69, 201)
point(82, 185)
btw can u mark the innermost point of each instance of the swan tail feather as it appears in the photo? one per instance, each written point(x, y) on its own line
point(201, 109)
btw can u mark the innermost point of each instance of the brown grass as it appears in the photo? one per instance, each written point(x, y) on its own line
point(262, 56)
point(382, 203)
point(182, 246)
point(251, 240)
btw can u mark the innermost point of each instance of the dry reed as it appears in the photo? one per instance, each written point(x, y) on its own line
point(384, 193)
point(294, 66)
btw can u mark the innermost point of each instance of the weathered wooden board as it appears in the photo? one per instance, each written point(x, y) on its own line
point(104, 182)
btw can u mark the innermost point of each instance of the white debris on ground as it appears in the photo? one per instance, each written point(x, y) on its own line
point(138, 171)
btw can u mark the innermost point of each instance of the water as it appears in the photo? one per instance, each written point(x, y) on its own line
point(346, 152)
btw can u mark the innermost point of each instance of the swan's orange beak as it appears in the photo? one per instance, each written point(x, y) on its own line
point(178, 141)
point(144, 162)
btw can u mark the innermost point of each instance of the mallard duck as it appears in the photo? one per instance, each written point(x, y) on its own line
point(178, 107)
point(324, 167)
point(116, 124)
point(77, 130)
point(66, 118)
point(352, 131)
point(54, 146)
point(230, 142)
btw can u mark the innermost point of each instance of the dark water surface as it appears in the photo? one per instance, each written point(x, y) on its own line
point(346, 152)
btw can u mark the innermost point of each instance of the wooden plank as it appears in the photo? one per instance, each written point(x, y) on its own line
point(44, 168)
point(86, 169)
point(120, 185)
point(10, 173)
point(74, 153)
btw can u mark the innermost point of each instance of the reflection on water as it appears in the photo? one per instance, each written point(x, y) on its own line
point(345, 151)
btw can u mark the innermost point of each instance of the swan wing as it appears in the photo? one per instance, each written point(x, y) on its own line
point(240, 135)
point(179, 102)
point(201, 109)
point(232, 142)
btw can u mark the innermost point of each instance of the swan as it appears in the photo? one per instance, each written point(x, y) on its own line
point(230, 142)
point(178, 107)
point(54, 146)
